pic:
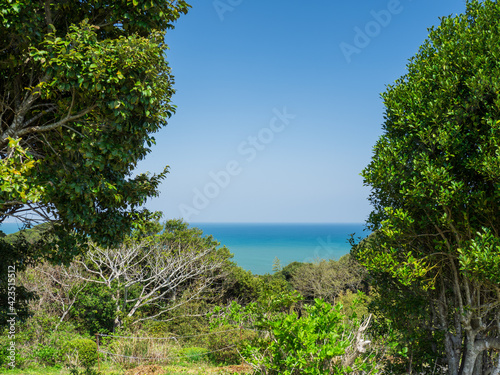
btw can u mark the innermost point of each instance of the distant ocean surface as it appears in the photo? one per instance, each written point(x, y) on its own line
point(9, 228)
point(255, 246)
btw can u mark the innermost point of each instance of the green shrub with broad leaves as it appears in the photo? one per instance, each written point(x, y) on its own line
point(320, 339)
point(85, 350)
point(47, 355)
point(226, 343)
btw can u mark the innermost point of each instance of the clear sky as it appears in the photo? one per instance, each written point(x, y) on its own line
point(279, 105)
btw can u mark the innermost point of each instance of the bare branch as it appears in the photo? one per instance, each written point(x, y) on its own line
point(359, 345)
point(159, 271)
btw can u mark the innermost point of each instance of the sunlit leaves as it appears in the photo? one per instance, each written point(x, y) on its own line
point(15, 176)
point(436, 170)
point(481, 257)
point(435, 180)
point(88, 85)
point(316, 342)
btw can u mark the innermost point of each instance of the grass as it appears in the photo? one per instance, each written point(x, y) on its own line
point(36, 371)
point(106, 369)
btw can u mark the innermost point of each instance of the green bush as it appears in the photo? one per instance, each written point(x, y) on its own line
point(86, 351)
point(38, 341)
point(94, 310)
point(185, 322)
point(5, 354)
point(47, 355)
point(321, 340)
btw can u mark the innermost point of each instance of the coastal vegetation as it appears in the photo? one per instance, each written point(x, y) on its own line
point(83, 88)
point(102, 286)
point(435, 191)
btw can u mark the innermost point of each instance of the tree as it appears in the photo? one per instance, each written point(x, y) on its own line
point(435, 178)
point(84, 85)
point(153, 274)
point(328, 279)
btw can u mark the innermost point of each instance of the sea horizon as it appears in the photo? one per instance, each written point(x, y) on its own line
point(256, 245)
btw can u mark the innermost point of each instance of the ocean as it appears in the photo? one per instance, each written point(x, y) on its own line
point(9, 228)
point(255, 246)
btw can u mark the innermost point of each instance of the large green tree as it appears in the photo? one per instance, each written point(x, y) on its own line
point(83, 86)
point(435, 179)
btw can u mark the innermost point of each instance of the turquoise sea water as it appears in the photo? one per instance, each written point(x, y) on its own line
point(255, 246)
point(9, 228)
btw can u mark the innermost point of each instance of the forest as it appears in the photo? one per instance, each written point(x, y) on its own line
point(97, 284)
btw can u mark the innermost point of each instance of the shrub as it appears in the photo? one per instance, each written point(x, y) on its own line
point(40, 340)
point(47, 355)
point(323, 339)
point(85, 351)
point(6, 356)
point(94, 310)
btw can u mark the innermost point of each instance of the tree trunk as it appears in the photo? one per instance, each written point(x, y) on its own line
point(117, 322)
point(451, 354)
point(478, 367)
point(469, 361)
point(475, 349)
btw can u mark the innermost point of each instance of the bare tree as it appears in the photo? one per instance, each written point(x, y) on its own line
point(150, 273)
point(328, 279)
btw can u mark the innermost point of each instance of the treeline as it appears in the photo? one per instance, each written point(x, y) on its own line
point(170, 280)
point(163, 281)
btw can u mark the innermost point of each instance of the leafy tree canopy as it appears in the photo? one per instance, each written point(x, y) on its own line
point(435, 179)
point(83, 86)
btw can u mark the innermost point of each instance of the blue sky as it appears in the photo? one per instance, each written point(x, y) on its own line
point(279, 105)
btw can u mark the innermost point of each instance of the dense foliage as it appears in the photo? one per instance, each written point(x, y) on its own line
point(435, 179)
point(316, 338)
point(83, 86)
point(74, 302)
